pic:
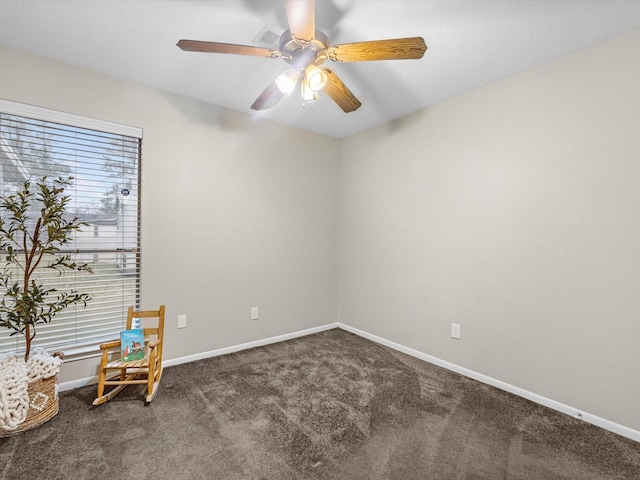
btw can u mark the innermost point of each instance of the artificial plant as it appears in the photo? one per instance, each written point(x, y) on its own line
point(34, 227)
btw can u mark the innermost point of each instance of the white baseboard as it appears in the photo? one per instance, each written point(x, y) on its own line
point(547, 402)
point(81, 382)
point(245, 346)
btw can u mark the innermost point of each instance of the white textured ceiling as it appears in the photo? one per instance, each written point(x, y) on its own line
point(471, 43)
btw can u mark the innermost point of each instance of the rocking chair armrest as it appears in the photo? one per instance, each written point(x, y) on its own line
point(154, 343)
point(109, 345)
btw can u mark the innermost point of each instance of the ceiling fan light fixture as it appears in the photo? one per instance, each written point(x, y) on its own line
point(308, 95)
point(287, 81)
point(316, 78)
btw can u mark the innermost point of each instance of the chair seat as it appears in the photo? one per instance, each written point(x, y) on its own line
point(117, 364)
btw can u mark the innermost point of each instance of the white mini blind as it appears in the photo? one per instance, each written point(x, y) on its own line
point(104, 161)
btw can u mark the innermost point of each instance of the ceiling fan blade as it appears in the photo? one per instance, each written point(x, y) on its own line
point(340, 94)
point(393, 49)
point(216, 47)
point(301, 15)
point(268, 98)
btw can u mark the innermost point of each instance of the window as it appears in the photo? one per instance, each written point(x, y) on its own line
point(104, 161)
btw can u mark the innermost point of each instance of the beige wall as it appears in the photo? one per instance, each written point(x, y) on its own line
point(236, 213)
point(513, 210)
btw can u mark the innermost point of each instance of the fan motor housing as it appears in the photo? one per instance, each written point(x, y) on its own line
point(301, 54)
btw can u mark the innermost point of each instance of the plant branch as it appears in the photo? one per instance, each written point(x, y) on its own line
point(24, 307)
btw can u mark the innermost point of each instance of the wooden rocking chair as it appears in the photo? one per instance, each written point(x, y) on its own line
point(146, 371)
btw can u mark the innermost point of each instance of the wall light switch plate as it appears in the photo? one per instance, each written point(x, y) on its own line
point(182, 321)
point(255, 314)
point(455, 330)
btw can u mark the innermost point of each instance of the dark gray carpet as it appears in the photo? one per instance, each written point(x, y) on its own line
point(327, 406)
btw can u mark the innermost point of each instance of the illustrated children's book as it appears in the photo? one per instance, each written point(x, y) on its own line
point(132, 344)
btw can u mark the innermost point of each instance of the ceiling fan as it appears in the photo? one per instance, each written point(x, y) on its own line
point(306, 49)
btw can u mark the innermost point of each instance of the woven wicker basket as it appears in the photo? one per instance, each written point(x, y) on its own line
point(43, 405)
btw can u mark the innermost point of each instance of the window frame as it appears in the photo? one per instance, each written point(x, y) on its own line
point(89, 348)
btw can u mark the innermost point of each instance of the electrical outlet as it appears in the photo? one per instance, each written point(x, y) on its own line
point(182, 321)
point(455, 330)
point(255, 314)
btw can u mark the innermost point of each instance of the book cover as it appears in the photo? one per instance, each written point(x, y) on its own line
point(132, 344)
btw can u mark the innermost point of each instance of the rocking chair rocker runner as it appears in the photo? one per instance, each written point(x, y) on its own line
point(146, 372)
